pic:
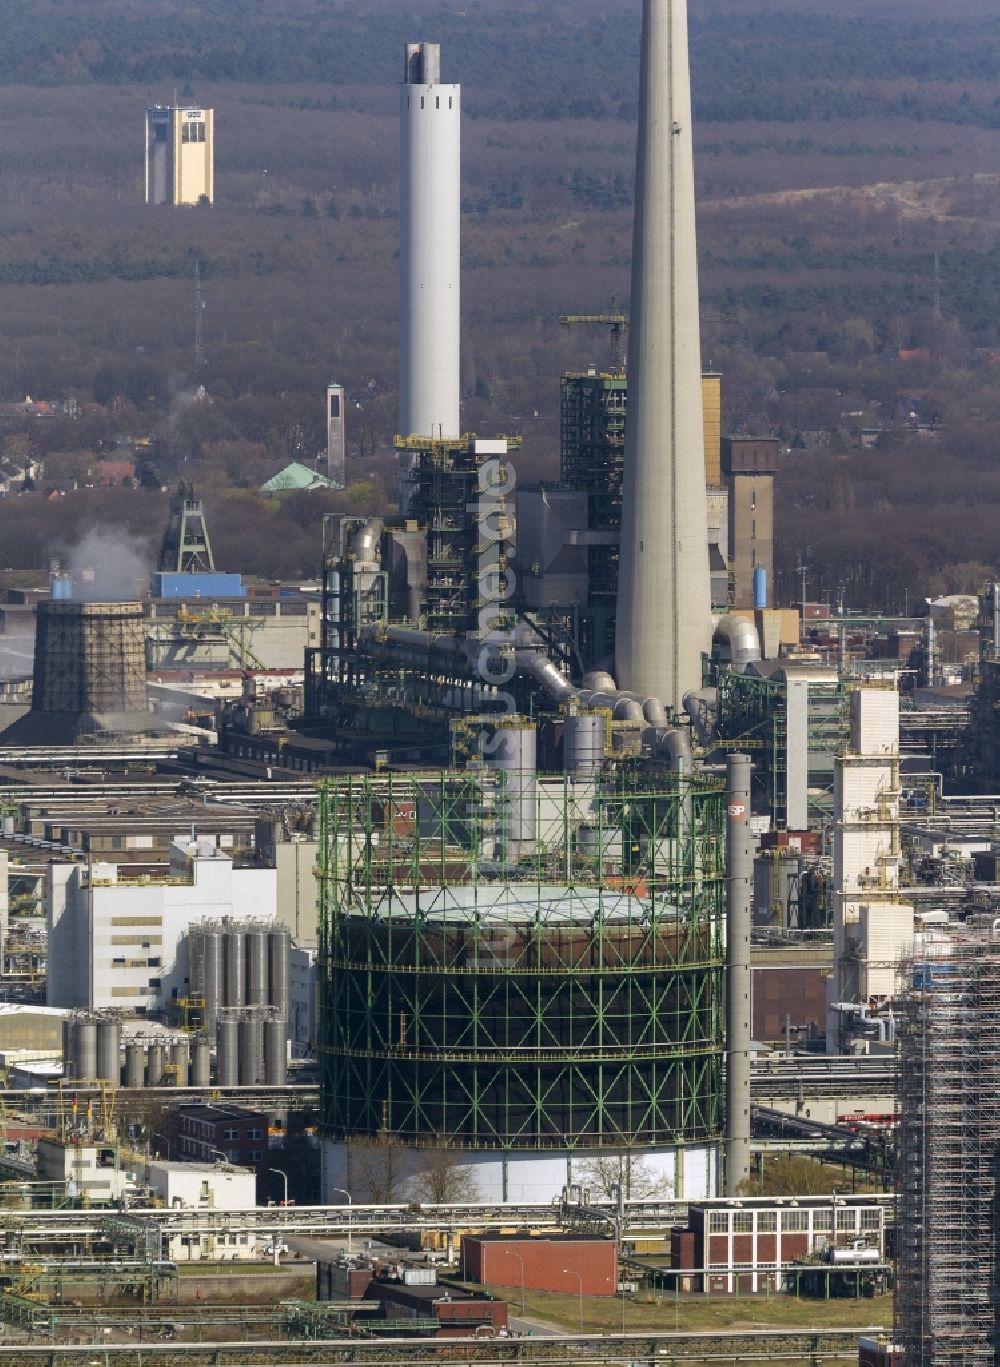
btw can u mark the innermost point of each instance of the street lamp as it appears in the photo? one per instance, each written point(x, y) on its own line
point(155, 1134)
point(568, 1272)
point(512, 1254)
point(350, 1208)
point(225, 1158)
point(621, 1278)
point(284, 1176)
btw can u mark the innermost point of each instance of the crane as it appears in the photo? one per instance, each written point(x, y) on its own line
point(617, 322)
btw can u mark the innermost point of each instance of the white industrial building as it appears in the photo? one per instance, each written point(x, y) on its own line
point(873, 927)
point(205, 1186)
point(115, 942)
point(81, 1168)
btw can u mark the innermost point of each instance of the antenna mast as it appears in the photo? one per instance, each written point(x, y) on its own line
point(199, 309)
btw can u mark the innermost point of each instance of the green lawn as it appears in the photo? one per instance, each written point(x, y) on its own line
point(701, 1312)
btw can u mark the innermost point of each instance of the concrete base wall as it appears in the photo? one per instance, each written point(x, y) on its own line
point(685, 1173)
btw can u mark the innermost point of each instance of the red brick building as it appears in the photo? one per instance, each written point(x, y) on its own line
point(454, 1313)
point(205, 1133)
point(738, 1247)
point(554, 1262)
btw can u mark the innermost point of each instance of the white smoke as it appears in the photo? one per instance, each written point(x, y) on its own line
point(17, 650)
point(108, 566)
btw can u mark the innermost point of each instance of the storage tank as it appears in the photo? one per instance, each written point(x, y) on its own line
point(109, 1049)
point(621, 965)
point(85, 1047)
point(227, 1051)
point(234, 942)
point(251, 1061)
point(275, 1052)
point(156, 1065)
point(256, 947)
point(279, 949)
point(201, 1063)
point(135, 1064)
point(211, 975)
point(179, 1062)
point(583, 744)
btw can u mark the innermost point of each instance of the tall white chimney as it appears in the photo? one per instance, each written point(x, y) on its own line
point(664, 597)
point(430, 124)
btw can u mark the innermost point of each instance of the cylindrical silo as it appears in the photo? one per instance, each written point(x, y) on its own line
point(135, 1064)
point(583, 744)
point(201, 1055)
point(251, 1062)
point(157, 1062)
point(213, 977)
point(85, 1047)
point(227, 1054)
point(279, 949)
point(69, 1047)
point(275, 1052)
point(109, 1048)
point(234, 942)
point(256, 949)
point(179, 1062)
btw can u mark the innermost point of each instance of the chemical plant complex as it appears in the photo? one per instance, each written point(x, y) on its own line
point(495, 917)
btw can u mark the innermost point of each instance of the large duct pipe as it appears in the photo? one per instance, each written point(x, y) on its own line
point(739, 636)
point(739, 891)
point(623, 704)
point(664, 596)
point(702, 706)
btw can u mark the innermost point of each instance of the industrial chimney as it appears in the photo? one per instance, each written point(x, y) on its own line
point(664, 599)
point(430, 123)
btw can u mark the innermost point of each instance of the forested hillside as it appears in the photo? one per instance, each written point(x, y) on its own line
point(848, 161)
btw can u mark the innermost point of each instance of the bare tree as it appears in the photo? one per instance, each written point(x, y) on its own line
point(441, 1177)
point(377, 1168)
point(607, 1173)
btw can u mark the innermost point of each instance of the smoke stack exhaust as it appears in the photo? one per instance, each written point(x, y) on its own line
point(664, 598)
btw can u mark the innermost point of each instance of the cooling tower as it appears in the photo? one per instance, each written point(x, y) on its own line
point(664, 600)
point(89, 675)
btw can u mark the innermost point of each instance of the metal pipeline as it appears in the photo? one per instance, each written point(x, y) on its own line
point(740, 635)
point(673, 743)
point(702, 706)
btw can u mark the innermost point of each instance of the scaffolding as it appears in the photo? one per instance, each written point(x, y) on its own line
point(592, 456)
point(450, 479)
point(510, 962)
point(753, 714)
point(949, 1089)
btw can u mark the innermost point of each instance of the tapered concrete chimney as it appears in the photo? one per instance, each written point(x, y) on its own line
point(664, 599)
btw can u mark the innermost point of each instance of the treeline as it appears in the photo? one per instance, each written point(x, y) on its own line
point(528, 62)
point(880, 529)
